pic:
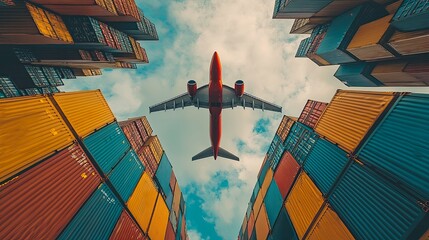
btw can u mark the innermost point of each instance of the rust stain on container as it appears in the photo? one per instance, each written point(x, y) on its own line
point(39, 203)
point(85, 110)
point(126, 229)
point(350, 115)
point(329, 226)
point(303, 203)
point(31, 129)
point(142, 201)
point(158, 224)
point(261, 225)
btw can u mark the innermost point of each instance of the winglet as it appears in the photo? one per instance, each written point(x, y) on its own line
point(208, 152)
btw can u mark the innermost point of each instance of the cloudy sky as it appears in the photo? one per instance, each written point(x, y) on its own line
point(252, 47)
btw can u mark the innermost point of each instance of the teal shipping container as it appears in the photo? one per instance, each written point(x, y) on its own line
point(275, 152)
point(264, 170)
point(107, 146)
point(343, 28)
point(357, 75)
point(273, 202)
point(179, 226)
point(396, 148)
point(283, 228)
point(412, 15)
point(125, 176)
point(300, 141)
point(325, 164)
point(298, 8)
point(373, 208)
point(97, 218)
point(163, 174)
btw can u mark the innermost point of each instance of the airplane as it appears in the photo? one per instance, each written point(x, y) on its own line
point(215, 96)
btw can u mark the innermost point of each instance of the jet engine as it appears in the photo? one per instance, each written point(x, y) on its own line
point(192, 88)
point(239, 88)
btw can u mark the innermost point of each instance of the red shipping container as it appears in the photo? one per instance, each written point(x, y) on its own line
point(132, 133)
point(126, 229)
point(170, 234)
point(250, 224)
point(172, 181)
point(312, 112)
point(40, 202)
point(107, 34)
point(142, 130)
point(148, 160)
point(286, 172)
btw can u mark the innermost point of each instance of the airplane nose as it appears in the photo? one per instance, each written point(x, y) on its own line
point(215, 66)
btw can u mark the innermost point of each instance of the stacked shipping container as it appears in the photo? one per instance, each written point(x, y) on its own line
point(71, 172)
point(362, 35)
point(64, 39)
point(366, 149)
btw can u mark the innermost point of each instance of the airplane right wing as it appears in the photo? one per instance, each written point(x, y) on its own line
point(230, 100)
point(200, 99)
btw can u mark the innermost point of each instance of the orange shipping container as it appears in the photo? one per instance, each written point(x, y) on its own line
point(350, 115)
point(31, 129)
point(86, 111)
point(303, 203)
point(266, 183)
point(366, 43)
point(262, 226)
point(142, 201)
point(329, 226)
point(409, 43)
point(285, 126)
point(393, 73)
point(176, 200)
point(257, 204)
point(158, 224)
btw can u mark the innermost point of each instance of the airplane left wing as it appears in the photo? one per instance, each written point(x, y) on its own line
point(230, 100)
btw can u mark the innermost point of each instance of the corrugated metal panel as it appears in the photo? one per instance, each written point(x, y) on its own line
point(158, 224)
point(298, 8)
point(163, 174)
point(357, 75)
point(300, 141)
point(125, 176)
point(142, 201)
point(283, 228)
point(312, 112)
point(97, 218)
point(410, 43)
point(286, 173)
point(47, 196)
point(412, 15)
point(399, 144)
point(262, 227)
point(329, 226)
point(325, 163)
point(393, 73)
point(155, 147)
point(31, 129)
point(107, 146)
point(342, 28)
point(350, 115)
point(285, 126)
point(273, 202)
point(303, 203)
point(126, 229)
point(78, 107)
point(360, 200)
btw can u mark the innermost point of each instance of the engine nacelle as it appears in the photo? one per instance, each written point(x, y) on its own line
point(192, 88)
point(239, 88)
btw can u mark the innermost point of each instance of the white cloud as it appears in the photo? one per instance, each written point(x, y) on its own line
point(195, 235)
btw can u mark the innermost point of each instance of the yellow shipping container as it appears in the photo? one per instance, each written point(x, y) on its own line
point(41, 21)
point(59, 27)
point(147, 126)
point(176, 199)
point(350, 115)
point(142, 201)
point(303, 203)
point(86, 111)
point(158, 224)
point(262, 226)
point(266, 183)
point(329, 226)
point(257, 204)
point(155, 147)
point(365, 44)
point(31, 129)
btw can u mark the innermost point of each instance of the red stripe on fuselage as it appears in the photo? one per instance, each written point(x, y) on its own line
point(215, 103)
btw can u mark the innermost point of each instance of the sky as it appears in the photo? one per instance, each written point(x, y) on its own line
point(253, 47)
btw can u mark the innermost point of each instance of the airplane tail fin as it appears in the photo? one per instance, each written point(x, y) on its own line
point(208, 152)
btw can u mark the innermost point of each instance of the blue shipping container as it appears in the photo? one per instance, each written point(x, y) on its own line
point(373, 208)
point(357, 75)
point(324, 164)
point(97, 217)
point(343, 28)
point(412, 15)
point(273, 202)
point(107, 146)
point(283, 228)
point(126, 174)
point(300, 141)
point(399, 146)
point(163, 174)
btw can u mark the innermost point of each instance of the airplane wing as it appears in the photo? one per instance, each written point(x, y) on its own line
point(200, 100)
point(230, 100)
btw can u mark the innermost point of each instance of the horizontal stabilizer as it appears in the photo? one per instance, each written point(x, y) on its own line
point(203, 154)
point(225, 154)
